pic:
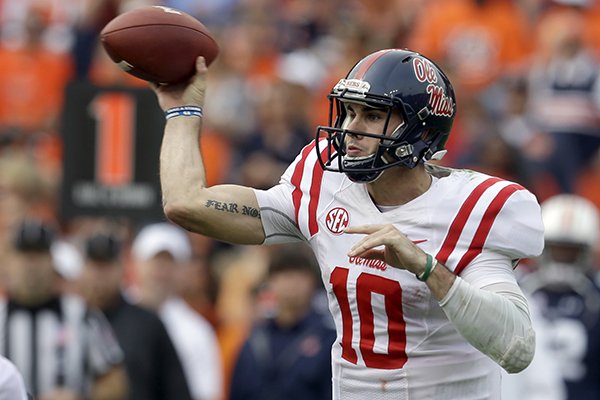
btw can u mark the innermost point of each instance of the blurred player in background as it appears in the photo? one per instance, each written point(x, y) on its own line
point(417, 259)
point(565, 289)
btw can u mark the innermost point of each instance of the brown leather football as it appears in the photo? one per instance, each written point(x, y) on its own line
point(158, 44)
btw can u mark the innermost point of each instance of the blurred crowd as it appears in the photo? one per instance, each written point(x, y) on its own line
point(526, 74)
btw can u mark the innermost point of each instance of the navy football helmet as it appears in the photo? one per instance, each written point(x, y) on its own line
point(397, 81)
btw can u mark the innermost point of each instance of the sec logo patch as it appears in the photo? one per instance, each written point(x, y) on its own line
point(337, 220)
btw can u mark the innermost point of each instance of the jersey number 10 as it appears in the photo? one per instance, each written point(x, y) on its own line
point(366, 284)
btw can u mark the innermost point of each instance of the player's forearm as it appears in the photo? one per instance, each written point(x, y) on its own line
point(496, 323)
point(182, 175)
point(224, 212)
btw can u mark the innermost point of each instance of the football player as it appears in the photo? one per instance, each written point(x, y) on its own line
point(417, 259)
point(565, 290)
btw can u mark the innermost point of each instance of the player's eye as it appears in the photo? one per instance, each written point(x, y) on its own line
point(350, 113)
point(374, 116)
point(349, 109)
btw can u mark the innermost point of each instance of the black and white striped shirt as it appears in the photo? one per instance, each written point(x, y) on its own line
point(58, 344)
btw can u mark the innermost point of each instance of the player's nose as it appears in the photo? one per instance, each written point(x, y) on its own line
point(357, 126)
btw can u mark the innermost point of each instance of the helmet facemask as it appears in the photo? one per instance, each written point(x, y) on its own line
point(393, 149)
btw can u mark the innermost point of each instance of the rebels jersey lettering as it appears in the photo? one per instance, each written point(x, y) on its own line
point(393, 339)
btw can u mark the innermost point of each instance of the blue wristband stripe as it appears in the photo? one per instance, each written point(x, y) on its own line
point(184, 111)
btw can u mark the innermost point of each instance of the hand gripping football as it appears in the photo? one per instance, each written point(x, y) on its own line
point(158, 44)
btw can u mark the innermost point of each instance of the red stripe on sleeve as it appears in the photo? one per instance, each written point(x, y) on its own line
point(461, 220)
point(485, 226)
point(297, 178)
point(315, 191)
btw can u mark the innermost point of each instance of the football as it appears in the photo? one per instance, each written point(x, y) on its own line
point(158, 44)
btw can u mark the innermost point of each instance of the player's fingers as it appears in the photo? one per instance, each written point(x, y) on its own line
point(364, 228)
point(368, 242)
point(372, 254)
point(201, 64)
point(387, 236)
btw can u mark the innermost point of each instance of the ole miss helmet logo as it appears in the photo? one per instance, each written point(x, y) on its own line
point(337, 220)
point(440, 104)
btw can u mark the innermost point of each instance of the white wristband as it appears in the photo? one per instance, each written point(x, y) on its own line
point(184, 111)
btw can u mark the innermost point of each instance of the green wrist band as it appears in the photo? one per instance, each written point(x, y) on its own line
point(429, 267)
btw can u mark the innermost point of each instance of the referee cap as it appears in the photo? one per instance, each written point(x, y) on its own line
point(162, 237)
point(33, 235)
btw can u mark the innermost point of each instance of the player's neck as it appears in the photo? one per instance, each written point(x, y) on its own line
point(398, 186)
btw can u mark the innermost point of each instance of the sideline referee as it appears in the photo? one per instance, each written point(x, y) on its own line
point(60, 347)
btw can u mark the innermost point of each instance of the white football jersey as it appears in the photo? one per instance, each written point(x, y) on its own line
point(393, 339)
